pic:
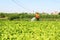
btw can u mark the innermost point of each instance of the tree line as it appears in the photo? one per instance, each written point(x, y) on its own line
point(28, 16)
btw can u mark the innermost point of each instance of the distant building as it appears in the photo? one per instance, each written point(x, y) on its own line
point(55, 13)
point(44, 13)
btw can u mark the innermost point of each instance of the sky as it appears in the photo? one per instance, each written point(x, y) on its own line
point(29, 5)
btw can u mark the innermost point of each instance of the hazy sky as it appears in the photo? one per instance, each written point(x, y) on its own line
point(29, 5)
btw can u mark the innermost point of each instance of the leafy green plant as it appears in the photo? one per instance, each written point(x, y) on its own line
point(26, 30)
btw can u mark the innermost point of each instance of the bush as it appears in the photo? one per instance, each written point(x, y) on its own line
point(13, 17)
point(2, 15)
point(59, 13)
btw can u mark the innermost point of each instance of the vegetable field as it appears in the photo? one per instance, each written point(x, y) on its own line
point(26, 30)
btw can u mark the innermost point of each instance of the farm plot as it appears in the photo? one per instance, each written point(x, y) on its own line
point(25, 30)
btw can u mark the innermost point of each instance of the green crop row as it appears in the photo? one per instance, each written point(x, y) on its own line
point(25, 30)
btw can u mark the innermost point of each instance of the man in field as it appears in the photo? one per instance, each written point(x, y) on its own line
point(37, 16)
